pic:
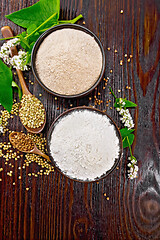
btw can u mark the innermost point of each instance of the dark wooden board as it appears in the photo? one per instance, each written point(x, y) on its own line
point(58, 208)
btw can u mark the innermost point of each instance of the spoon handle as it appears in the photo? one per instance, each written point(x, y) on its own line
point(7, 32)
point(37, 151)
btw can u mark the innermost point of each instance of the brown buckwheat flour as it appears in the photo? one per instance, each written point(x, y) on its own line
point(69, 61)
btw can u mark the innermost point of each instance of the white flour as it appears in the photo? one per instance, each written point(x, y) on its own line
point(84, 144)
point(69, 61)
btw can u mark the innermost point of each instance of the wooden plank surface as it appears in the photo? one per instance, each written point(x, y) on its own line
point(57, 208)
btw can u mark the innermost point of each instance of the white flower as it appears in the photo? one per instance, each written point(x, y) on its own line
point(126, 118)
point(136, 168)
point(18, 61)
point(120, 100)
point(13, 42)
point(133, 161)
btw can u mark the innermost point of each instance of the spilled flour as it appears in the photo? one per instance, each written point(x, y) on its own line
point(84, 144)
point(69, 61)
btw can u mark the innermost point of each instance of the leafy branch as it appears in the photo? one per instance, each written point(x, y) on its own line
point(36, 19)
point(121, 105)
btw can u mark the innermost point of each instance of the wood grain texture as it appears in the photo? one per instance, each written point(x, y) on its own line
point(58, 208)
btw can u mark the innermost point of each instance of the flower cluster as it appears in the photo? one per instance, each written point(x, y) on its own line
point(132, 172)
point(17, 61)
point(128, 122)
point(121, 105)
point(1, 127)
point(126, 116)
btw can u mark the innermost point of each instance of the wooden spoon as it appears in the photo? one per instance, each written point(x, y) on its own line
point(16, 140)
point(7, 32)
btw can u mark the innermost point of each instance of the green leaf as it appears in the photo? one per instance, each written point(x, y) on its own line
point(14, 85)
point(125, 132)
point(23, 34)
point(36, 14)
point(31, 28)
point(28, 59)
point(128, 140)
point(116, 105)
point(24, 42)
point(6, 77)
point(129, 104)
point(33, 38)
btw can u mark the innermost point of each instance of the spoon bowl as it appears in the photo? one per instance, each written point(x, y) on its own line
point(7, 32)
point(20, 147)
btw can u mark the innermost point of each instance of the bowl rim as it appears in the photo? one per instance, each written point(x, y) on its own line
point(40, 40)
point(91, 109)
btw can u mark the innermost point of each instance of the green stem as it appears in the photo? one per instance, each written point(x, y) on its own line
point(8, 38)
point(71, 21)
point(112, 92)
point(63, 22)
point(43, 30)
point(52, 16)
point(129, 147)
